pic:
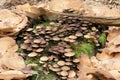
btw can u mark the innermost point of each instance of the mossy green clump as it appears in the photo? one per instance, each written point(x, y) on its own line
point(102, 39)
point(84, 48)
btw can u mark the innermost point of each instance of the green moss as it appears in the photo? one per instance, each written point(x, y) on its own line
point(102, 39)
point(85, 48)
point(32, 60)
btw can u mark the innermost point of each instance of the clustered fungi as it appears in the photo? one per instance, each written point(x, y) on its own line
point(56, 39)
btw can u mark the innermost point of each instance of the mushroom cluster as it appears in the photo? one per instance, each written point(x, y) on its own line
point(61, 60)
point(66, 62)
point(33, 45)
point(64, 32)
point(81, 28)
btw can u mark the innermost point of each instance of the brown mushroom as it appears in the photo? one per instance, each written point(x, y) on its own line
point(69, 54)
point(55, 65)
point(72, 37)
point(39, 50)
point(64, 73)
point(71, 74)
point(44, 58)
point(65, 68)
point(56, 69)
point(29, 29)
point(76, 60)
point(68, 50)
point(24, 46)
point(78, 34)
point(61, 63)
point(35, 45)
point(37, 40)
point(27, 41)
point(56, 38)
point(32, 54)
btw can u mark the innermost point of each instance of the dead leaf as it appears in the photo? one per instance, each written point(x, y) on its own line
point(13, 74)
point(7, 44)
point(103, 66)
point(11, 64)
point(113, 32)
point(10, 22)
point(60, 5)
point(92, 72)
point(113, 46)
point(30, 11)
point(13, 61)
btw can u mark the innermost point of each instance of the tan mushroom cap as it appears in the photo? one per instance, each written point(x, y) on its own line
point(72, 40)
point(68, 50)
point(48, 28)
point(87, 36)
point(37, 41)
point(78, 34)
point(65, 68)
point(56, 38)
point(29, 29)
point(44, 58)
point(39, 50)
point(61, 63)
point(25, 37)
point(35, 45)
point(41, 62)
point(72, 37)
point(66, 39)
point(29, 49)
point(32, 54)
point(24, 46)
point(56, 69)
point(69, 54)
point(55, 65)
point(76, 60)
point(64, 73)
point(71, 74)
point(64, 78)
point(68, 63)
point(27, 41)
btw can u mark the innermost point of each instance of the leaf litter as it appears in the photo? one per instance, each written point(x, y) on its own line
point(102, 66)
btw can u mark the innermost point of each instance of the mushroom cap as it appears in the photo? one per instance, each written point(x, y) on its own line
point(65, 68)
point(41, 62)
point(39, 50)
point(56, 69)
point(72, 37)
point(68, 63)
point(35, 45)
point(64, 73)
point(64, 78)
point(78, 34)
point(71, 74)
point(48, 28)
point(29, 29)
point(29, 48)
point(44, 58)
point(56, 38)
point(55, 65)
point(61, 63)
point(87, 36)
point(66, 39)
point(76, 60)
point(27, 41)
point(37, 41)
point(24, 46)
point(68, 50)
point(32, 54)
point(72, 40)
point(69, 54)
